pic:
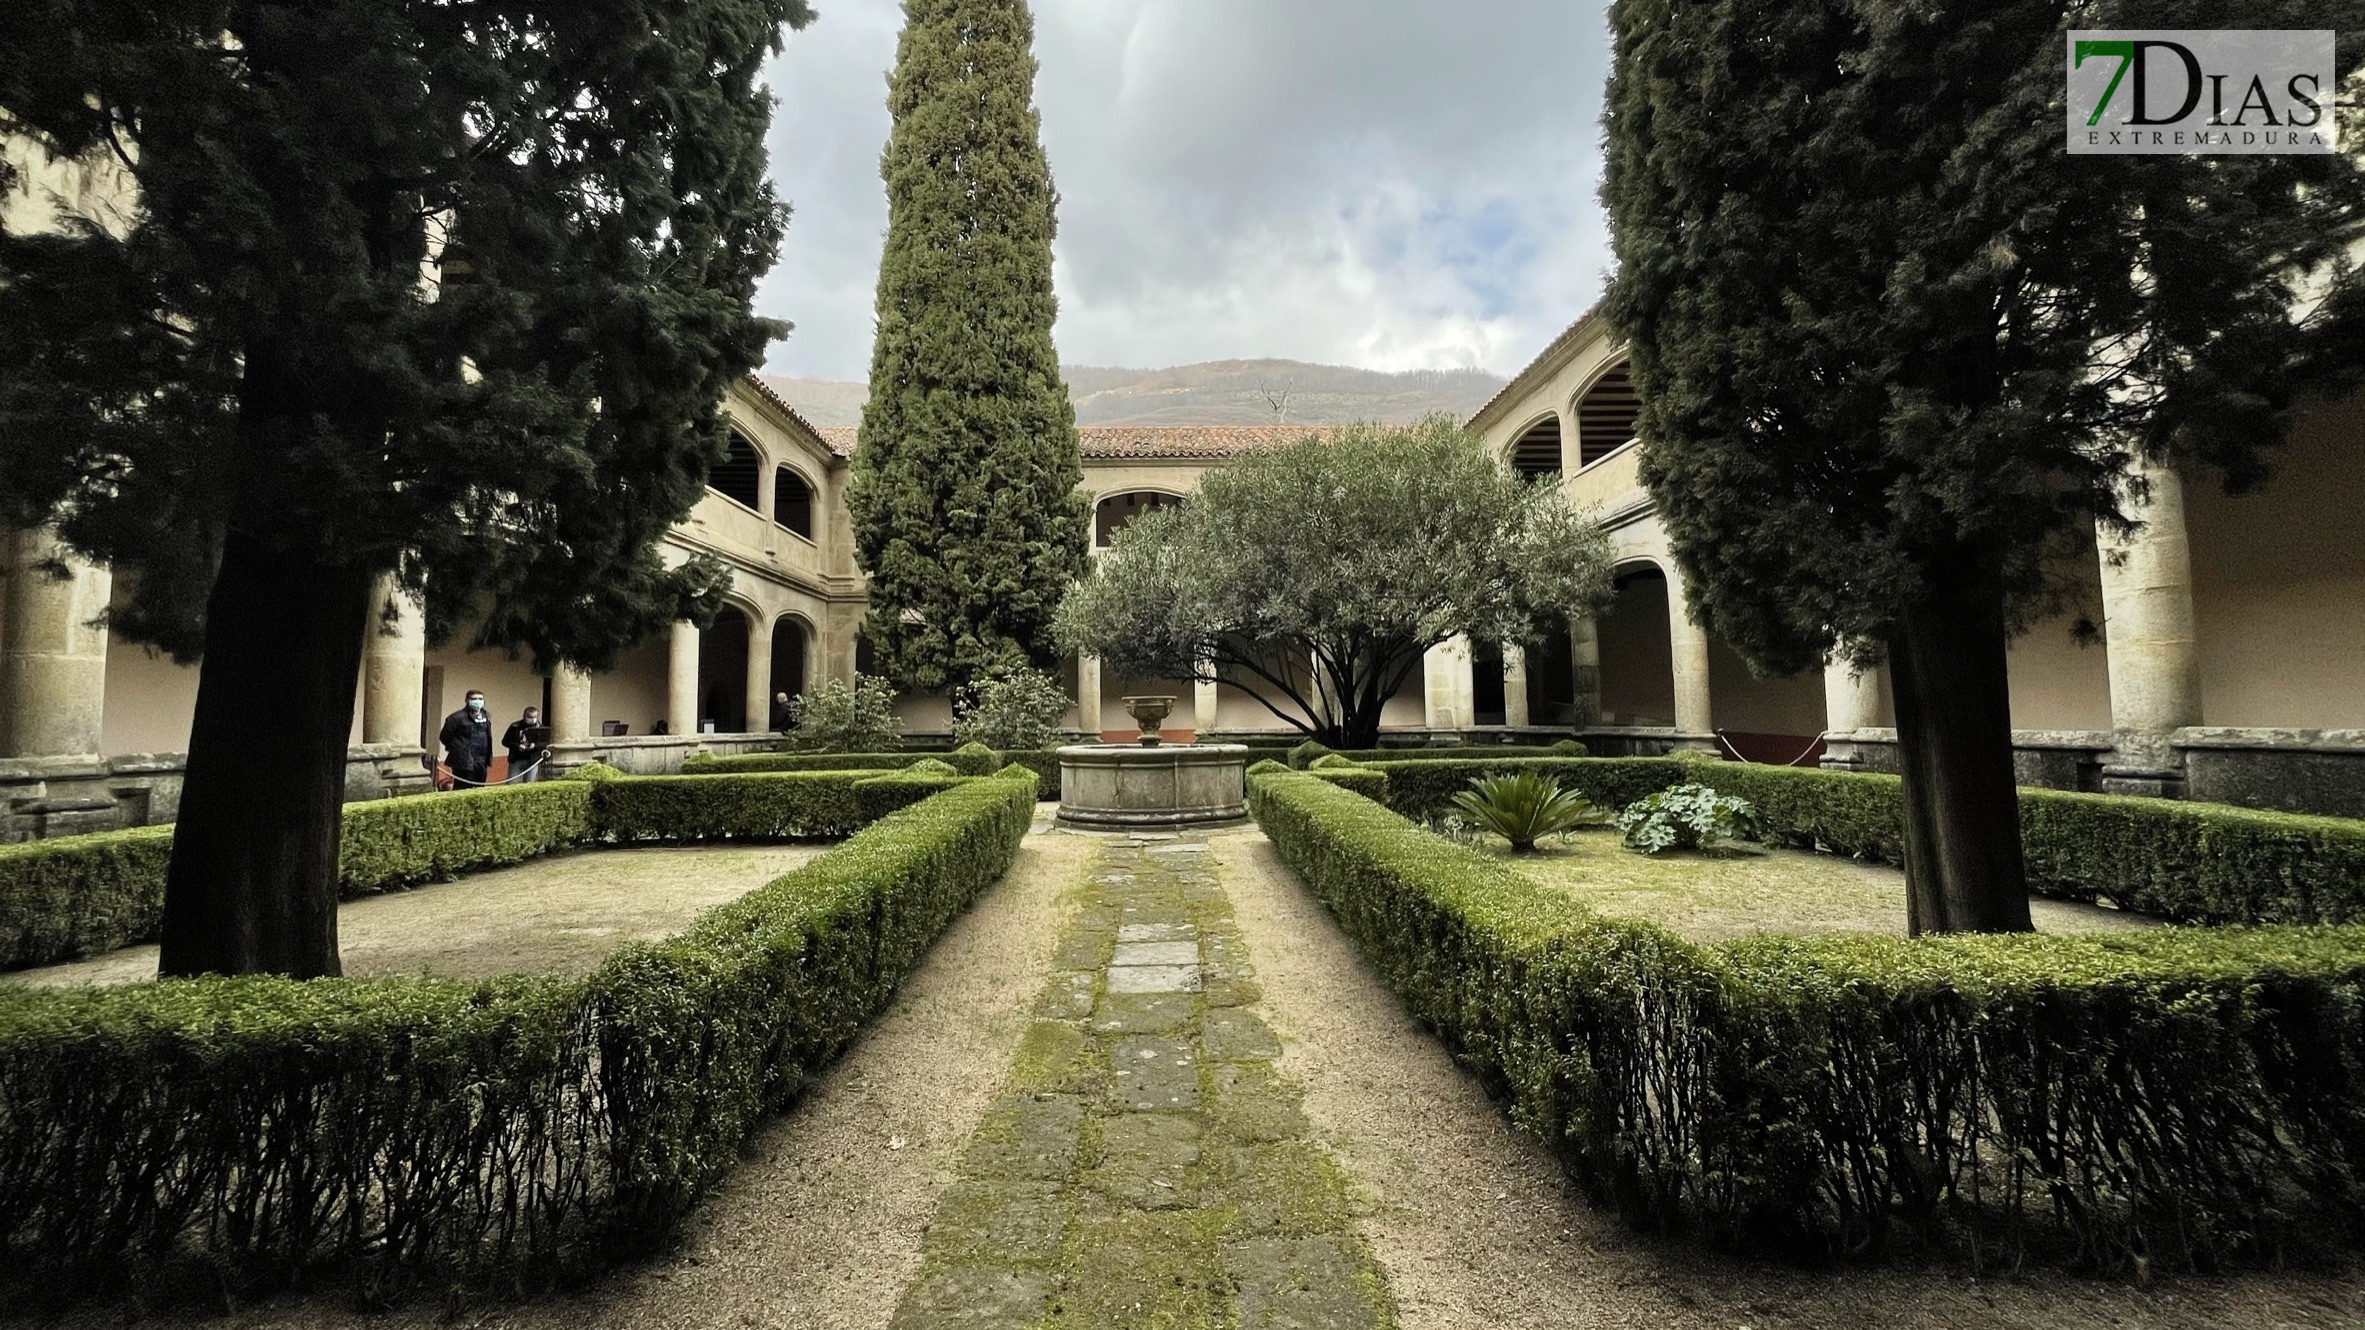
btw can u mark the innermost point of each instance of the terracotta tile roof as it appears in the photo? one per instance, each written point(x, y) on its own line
point(1189, 441)
point(1176, 442)
point(772, 395)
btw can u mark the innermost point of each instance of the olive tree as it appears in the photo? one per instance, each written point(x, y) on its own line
point(1313, 576)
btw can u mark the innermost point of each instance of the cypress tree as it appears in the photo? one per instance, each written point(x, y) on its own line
point(248, 400)
point(1898, 350)
point(964, 500)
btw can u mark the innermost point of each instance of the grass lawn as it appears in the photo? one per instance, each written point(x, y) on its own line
point(1736, 889)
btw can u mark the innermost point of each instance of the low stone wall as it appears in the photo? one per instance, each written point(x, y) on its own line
point(2293, 771)
point(41, 797)
point(655, 754)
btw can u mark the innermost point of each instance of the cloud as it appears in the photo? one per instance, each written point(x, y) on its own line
point(1364, 182)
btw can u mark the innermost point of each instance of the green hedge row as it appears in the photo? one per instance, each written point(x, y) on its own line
point(2176, 1099)
point(2188, 862)
point(405, 1129)
point(974, 760)
point(794, 805)
point(79, 895)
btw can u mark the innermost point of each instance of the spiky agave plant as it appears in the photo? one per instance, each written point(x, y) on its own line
point(1522, 807)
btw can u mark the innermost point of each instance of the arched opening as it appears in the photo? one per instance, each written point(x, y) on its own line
point(789, 639)
point(792, 503)
point(1110, 515)
point(722, 674)
point(1552, 676)
point(1637, 657)
point(1605, 416)
point(1486, 685)
point(1536, 454)
point(736, 476)
point(866, 656)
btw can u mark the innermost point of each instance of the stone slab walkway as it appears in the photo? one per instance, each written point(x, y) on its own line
point(1146, 1165)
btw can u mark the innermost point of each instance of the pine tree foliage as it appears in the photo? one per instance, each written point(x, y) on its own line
point(452, 291)
point(1897, 349)
point(964, 497)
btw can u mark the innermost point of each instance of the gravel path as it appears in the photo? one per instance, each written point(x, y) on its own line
point(1478, 1231)
point(560, 914)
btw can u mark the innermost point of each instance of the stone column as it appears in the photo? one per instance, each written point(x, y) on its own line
point(759, 673)
point(1203, 706)
point(570, 704)
point(1515, 687)
point(1851, 702)
point(681, 679)
point(1449, 690)
point(1584, 653)
point(2147, 608)
point(1088, 697)
point(393, 666)
point(53, 663)
point(1687, 642)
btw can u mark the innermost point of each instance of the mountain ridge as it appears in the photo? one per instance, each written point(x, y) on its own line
point(1215, 392)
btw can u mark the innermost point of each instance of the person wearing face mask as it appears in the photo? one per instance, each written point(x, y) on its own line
point(468, 743)
point(527, 742)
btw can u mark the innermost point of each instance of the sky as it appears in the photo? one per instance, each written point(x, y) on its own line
point(1378, 183)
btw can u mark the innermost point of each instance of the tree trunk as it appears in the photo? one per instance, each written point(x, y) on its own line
point(1963, 868)
point(252, 884)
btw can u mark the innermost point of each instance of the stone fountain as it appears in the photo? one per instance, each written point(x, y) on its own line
point(1151, 785)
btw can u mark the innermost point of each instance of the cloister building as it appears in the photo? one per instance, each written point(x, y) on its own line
point(2232, 665)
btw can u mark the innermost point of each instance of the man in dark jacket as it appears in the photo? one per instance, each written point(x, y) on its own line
point(784, 713)
point(467, 740)
point(527, 742)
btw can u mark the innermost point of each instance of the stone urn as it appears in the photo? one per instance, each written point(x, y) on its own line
point(1149, 713)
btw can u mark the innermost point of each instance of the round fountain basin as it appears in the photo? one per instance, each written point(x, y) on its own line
point(1126, 787)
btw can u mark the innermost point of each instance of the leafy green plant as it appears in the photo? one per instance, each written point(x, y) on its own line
point(1687, 817)
point(1307, 753)
point(594, 772)
point(836, 718)
point(932, 766)
point(1014, 709)
point(1334, 762)
point(1523, 807)
point(1568, 748)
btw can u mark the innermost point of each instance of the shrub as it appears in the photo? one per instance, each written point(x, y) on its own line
point(929, 766)
point(1523, 807)
point(709, 764)
point(793, 805)
point(592, 771)
point(81, 894)
point(973, 759)
point(514, 1130)
point(1334, 762)
point(1687, 817)
point(1349, 776)
point(1017, 709)
point(2179, 1098)
point(1568, 748)
point(1305, 754)
point(840, 719)
point(1263, 765)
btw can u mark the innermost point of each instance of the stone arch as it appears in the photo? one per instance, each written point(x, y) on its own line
point(795, 506)
point(1637, 646)
point(1110, 512)
point(1536, 451)
point(795, 644)
point(1605, 410)
point(739, 476)
point(722, 668)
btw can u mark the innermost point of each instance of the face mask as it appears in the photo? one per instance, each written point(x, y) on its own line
point(476, 704)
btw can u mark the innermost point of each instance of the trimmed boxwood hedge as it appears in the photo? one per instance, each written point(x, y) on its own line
point(974, 759)
point(80, 895)
point(2187, 862)
point(2176, 1099)
point(400, 1129)
point(789, 805)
